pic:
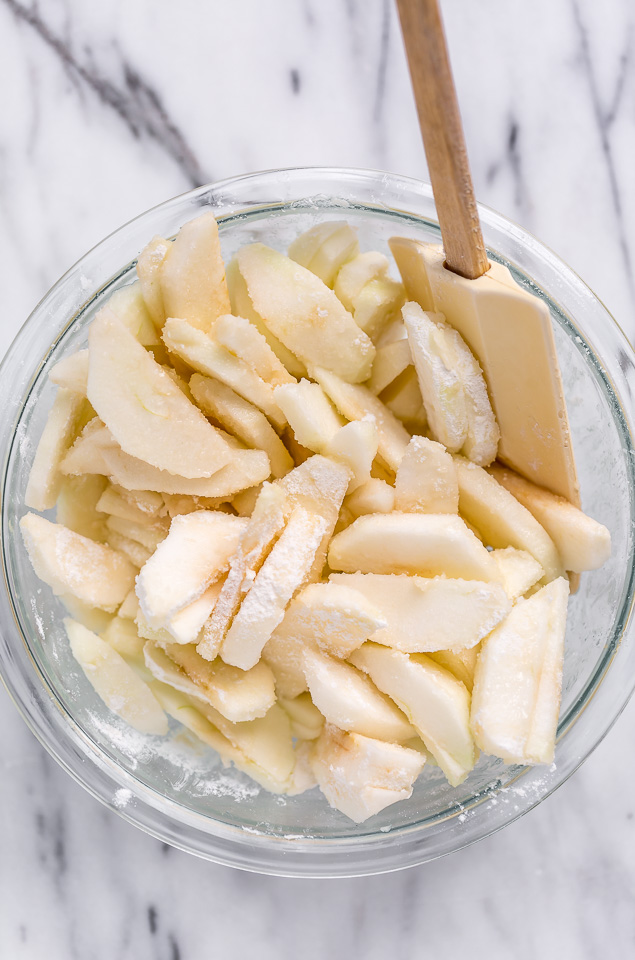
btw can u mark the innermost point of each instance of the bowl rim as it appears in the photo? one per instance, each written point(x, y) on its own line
point(39, 710)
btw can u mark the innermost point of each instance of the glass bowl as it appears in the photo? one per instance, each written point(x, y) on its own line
point(178, 791)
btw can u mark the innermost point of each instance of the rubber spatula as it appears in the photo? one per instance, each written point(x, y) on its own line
point(508, 329)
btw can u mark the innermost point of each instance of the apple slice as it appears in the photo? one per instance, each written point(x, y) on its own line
point(264, 527)
point(145, 411)
point(118, 502)
point(87, 453)
point(435, 702)
point(45, 478)
point(244, 340)
point(136, 553)
point(238, 695)
point(90, 617)
point(130, 606)
point(518, 679)
point(519, 571)
point(242, 419)
point(128, 305)
point(583, 543)
point(123, 636)
point(186, 624)
point(360, 776)
point(403, 398)
point(350, 701)
point(149, 535)
point(164, 669)
point(424, 615)
point(284, 571)
point(149, 265)
point(311, 417)
point(356, 402)
point(418, 543)
point(115, 682)
point(355, 446)
point(377, 303)
point(390, 361)
point(483, 434)
point(77, 506)
point(71, 372)
point(213, 360)
point(73, 564)
point(426, 479)
point(245, 501)
point(374, 496)
point(192, 274)
point(195, 553)
point(243, 307)
point(501, 519)
point(304, 314)
point(307, 722)
point(460, 663)
point(325, 248)
point(356, 273)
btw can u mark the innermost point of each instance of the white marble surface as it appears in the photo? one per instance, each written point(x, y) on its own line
point(108, 109)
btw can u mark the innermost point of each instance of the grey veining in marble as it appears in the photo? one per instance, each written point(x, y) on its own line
point(110, 108)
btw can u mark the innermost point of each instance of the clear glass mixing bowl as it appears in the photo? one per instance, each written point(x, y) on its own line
point(176, 789)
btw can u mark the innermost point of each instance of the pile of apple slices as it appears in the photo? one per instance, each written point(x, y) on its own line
point(280, 523)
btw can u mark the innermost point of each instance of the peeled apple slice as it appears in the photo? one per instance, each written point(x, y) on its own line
point(426, 615)
point(71, 372)
point(460, 663)
point(307, 722)
point(426, 479)
point(73, 564)
point(115, 682)
point(237, 694)
point(350, 701)
point(518, 679)
point(355, 446)
point(403, 398)
point(583, 543)
point(356, 273)
point(244, 340)
point(426, 544)
point(483, 435)
point(323, 249)
point(304, 314)
point(129, 306)
point(123, 636)
point(501, 519)
point(242, 419)
point(361, 776)
point(519, 571)
point(374, 496)
point(356, 402)
point(192, 274)
point(284, 571)
point(196, 552)
point(390, 361)
point(435, 702)
point(186, 624)
point(149, 535)
point(45, 478)
point(311, 417)
point(376, 304)
point(211, 359)
point(77, 506)
point(144, 409)
point(149, 265)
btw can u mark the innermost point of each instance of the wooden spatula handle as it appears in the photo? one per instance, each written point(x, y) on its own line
point(443, 138)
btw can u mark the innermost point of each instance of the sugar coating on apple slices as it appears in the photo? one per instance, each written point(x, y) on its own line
point(280, 523)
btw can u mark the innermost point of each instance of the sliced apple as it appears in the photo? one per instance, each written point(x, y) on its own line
point(148, 535)
point(77, 506)
point(435, 702)
point(71, 372)
point(374, 496)
point(307, 722)
point(483, 434)
point(195, 553)
point(123, 636)
point(242, 419)
point(350, 701)
point(264, 527)
point(583, 543)
point(426, 544)
point(356, 402)
point(244, 340)
point(192, 274)
point(518, 679)
point(424, 615)
point(118, 502)
point(143, 408)
point(304, 314)
point(129, 306)
point(115, 682)
point(73, 564)
point(245, 501)
point(501, 519)
point(403, 398)
point(377, 303)
point(284, 571)
point(325, 248)
point(130, 606)
point(356, 273)
point(90, 617)
point(243, 307)
point(355, 446)
point(213, 360)
point(519, 571)
point(87, 453)
point(390, 361)
point(45, 478)
point(149, 265)
point(136, 553)
point(186, 624)
point(460, 663)
point(238, 695)
point(426, 479)
point(335, 617)
point(311, 417)
point(361, 776)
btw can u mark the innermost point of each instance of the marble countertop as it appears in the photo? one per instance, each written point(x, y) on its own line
point(110, 108)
